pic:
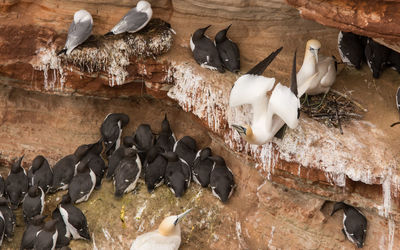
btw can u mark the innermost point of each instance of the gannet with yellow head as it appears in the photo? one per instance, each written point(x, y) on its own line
point(323, 67)
point(166, 237)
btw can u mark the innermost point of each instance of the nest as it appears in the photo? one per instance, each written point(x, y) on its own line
point(112, 54)
point(335, 110)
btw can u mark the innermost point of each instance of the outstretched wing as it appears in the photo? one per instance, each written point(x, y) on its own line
point(285, 105)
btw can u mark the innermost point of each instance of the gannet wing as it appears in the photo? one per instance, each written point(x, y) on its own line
point(312, 81)
point(330, 75)
point(284, 104)
point(77, 34)
point(250, 89)
point(261, 66)
point(133, 21)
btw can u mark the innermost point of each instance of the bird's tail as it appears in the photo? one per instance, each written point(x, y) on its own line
point(109, 34)
point(63, 51)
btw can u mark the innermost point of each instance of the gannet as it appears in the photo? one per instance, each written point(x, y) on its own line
point(166, 237)
point(314, 63)
point(269, 114)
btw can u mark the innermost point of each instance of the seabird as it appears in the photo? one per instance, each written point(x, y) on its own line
point(204, 51)
point(47, 237)
point(166, 139)
point(154, 168)
point(202, 167)
point(127, 173)
point(2, 228)
point(354, 223)
point(177, 174)
point(83, 183)
point(186, 149)
point(2, 186)
point(33, 203)
point(221, 179)
point(111, 131)
point(64, 235)
point(351, 48)
point(166, 237)
point(394, 60)
point(79, 31)
point(40, 173)
point(135, 20)
point(269, 114)
point(9, 217)
point(95, 161)
point(17, 184)
point(29, 236)
point(318, 72)
point(118, 155)
point(228, 51)
point(377, 56)
point(143, 140)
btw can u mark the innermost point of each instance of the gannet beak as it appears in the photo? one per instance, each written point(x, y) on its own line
point(180, 216)
point(239, 129)
point(315, 54)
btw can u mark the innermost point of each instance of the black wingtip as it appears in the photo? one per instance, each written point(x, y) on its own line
point(293, 80)
point(63, 51)
point(109, 34)
point(281, 132)
point(261, 66)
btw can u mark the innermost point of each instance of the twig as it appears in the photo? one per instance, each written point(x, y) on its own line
point(348, 98)
point(338, 119)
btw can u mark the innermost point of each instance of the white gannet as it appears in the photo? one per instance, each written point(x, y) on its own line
point(135, 20)
point(314, 63)
point(166, 237)
point(79, 31)
point(269, 114)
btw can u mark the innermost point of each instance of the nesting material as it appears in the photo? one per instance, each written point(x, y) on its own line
point(335, 110)
point(112, 54)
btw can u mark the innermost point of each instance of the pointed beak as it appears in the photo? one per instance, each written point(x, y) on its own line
point(315, 54)
point(180, 217)
point(227, 28)
point(239, 129)
point(205, 28)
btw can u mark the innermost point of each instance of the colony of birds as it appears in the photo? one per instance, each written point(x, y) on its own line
point(163, 159)
point(159, 159)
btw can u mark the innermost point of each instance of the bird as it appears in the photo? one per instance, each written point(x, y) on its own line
point(95, 161)
point(40, 173)
point(2, 228)
point(47, 237)
point(154, 167)
point(318, 72)
point(228, 51)
point(143, 140)
point(33, 203)
point(166, 139)
point(376, 56)
point(135, 20)
point(65, 169)
point(2, 186)
point(398, 99)
point(354, 223)
point(111, 130)
point(29, 236)
point(394, 60)
point(351, 48)
point(204, 51)
point(202, 167)
point(186, 149)
point(17, 183)
point(127, 173)
point(79, 31)
point(166, 237)
point(82, 184)
point(269, 114)
point(221, 179)
point(64, 235)
point(177, 174)
point(74, 219)
point(9, 217)
point(117, 155)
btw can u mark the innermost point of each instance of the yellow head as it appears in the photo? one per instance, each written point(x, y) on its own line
point(170, 224)
point(313, 47)
point(245, 131)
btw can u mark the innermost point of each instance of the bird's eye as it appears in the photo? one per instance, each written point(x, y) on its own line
point(311, 49)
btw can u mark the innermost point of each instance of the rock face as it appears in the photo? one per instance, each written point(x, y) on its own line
point(376, 19)
point(285, 188)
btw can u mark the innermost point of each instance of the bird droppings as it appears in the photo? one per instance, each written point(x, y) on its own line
point(110, 55)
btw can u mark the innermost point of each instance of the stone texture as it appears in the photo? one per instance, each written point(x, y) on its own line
point(375, 18)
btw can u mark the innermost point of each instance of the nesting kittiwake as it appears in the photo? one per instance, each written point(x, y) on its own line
point(135, 20)
point(79, 31)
